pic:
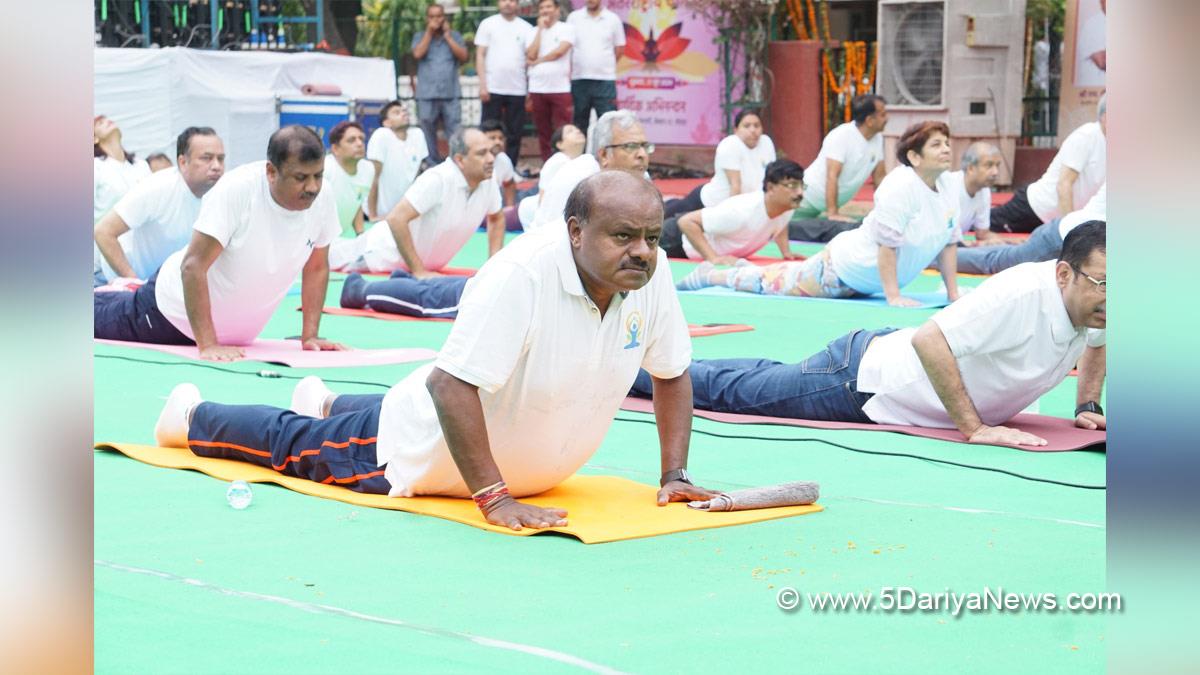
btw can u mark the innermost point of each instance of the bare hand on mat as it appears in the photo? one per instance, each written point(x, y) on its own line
point(221, 353)
point(317, 344)
point(515, 515)
point(1004, 435)
point(1087, 420)
point(679, 491)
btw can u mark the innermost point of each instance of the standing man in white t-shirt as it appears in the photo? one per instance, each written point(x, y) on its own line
point(500, 44)
point(549, 66)
point(349, 175)
point(1074, 175)
point(436, 218)
point(973, 366)
point(600, 39)
point(263, 224)
point(154, 219)
point(850, 153)
point(550, 336)
point(397, 151)
point(740, 225)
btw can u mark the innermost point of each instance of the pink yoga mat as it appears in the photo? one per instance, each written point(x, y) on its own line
point(321, 89)
point(289, 353)
point(695, 330)
point(1061, 435)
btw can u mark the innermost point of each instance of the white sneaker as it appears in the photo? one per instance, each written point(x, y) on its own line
point(309, 396)
point(171, 430)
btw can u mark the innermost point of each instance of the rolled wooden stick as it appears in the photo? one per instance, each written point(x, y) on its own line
point(786, 494)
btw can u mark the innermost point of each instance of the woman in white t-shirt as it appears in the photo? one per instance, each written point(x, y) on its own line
point(114, 169)
point(912, 224)
point(738, 168)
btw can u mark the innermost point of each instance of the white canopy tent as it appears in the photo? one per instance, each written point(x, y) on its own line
point(153, 94)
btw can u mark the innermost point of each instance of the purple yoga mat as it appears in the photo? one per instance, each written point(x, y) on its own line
point(1061, 435)
point(289, 353)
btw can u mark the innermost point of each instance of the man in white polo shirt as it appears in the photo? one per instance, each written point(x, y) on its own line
point(154, 219)
point(973, 366)
point(1074, 175)
point(850, 153)
point(551, 333)
point(500, 44)
point(740, 225)
point(437, 216)
point(263, 224)
point(600, 39)
point(620, 143)
point(549, 62)
point(349, 175)
point(972, 186)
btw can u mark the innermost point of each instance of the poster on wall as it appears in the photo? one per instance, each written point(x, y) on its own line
point(668, 73)
point(1090, 53)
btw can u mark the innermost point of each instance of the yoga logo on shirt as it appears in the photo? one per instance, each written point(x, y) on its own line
point(633, 328)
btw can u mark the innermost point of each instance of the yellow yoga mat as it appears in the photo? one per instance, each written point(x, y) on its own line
point(599, 508)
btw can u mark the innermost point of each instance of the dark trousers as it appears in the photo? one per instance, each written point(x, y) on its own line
point(589, 95)
point(1044, 244)
point(429, 111)
point(402, 294)
point(1016, 215)
point(671, 240)
point(821, 387)
point(339, 449)
point(550, 111)
point(134, 317)
point(818, 229)
point(678, 207)
point(510, 111)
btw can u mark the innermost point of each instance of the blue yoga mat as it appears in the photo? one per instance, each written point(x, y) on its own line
point(934, 300)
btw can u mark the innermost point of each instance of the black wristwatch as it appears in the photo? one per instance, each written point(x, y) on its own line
point(1089, 406)
point(680, 475)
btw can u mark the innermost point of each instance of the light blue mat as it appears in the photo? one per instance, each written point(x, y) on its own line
point(933, 300)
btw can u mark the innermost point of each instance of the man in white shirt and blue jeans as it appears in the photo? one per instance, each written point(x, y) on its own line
point(973, 366)
point(551, 334)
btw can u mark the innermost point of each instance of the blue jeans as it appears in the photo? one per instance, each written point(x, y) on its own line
point(284, 441)
point(822, 387)
point(1043, 244)
point(429, 111)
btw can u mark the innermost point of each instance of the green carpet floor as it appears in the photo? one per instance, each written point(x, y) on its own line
point(296, 584)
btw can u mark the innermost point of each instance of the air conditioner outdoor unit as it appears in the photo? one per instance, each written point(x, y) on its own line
point(957, 61)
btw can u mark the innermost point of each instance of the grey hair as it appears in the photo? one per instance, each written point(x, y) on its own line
point(458, 140)
point(603, 135)
point(976, 152)
point(1102, 106)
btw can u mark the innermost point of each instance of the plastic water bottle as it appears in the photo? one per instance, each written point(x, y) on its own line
point(239, 495)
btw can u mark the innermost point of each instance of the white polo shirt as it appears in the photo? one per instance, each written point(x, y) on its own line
point(859, 157)
point(1085, 151)
point(551, 372)
point(1012, 339)
point(553, 77)
point(908, 216)
point(264, 245)
point(1095, 209)
point(974, 213)
point(401, 161)
point(592, 56)
point(738, 226)
point(349, 192)
point(560, 187)
point(159, 212)
point(450, 213)
point(734, 155)
point(506, 41)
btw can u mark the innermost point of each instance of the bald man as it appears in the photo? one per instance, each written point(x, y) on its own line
point(550, 336)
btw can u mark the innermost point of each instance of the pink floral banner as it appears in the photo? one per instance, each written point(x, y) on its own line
point(669, 74)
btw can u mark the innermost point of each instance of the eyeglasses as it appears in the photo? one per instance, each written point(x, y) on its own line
point(634, 147)
point(1101, 284)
